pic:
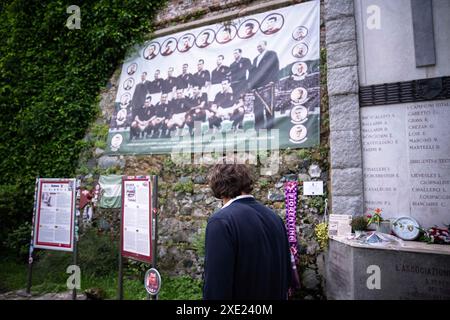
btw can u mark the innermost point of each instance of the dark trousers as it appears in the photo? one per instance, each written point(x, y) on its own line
point(239, 88)
point(263, 108)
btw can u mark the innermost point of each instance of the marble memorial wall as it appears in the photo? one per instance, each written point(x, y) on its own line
point(406, 160)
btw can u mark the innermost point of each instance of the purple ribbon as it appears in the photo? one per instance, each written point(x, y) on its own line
point(290, 195)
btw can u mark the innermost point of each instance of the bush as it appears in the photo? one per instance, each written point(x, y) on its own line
point(18, 241)
point(50, 78)
point(97, 255)
point(180, 288)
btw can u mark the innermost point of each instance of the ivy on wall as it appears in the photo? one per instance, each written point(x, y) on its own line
point(50, 77)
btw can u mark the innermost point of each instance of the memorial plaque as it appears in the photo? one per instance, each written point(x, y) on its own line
point(406, 160)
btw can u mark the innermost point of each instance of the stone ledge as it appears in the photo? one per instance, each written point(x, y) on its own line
point(408, 246)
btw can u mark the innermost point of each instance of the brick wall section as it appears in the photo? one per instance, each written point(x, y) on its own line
point(345, 131)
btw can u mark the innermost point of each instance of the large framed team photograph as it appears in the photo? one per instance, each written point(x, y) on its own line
point(228, 84)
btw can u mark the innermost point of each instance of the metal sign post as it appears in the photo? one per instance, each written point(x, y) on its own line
point(120, 281)
point(75, 255)
point(154, 224)
point(30, 254)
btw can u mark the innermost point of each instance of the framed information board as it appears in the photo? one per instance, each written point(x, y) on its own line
point(55, 214)
point(136, 220)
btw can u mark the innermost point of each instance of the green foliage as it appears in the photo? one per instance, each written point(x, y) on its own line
point(11, 214)
point(14, 277)
point(199, 241)
point(97, 255)
point(180, 288)
point(100, 144)
point(187, 187)
point(18, 241)
point(135, 269)
point(304, 154)
point(100, 131)
point(321, 233)
point(50, 78)
point(263, 183)
point(317, 202)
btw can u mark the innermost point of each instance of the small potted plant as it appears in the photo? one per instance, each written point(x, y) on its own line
point(359, 224)
point(376, 222)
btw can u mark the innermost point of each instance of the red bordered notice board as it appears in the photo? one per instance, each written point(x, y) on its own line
point(136, 220)
point(55, 214)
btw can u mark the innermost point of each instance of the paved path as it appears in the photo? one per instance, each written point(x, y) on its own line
point(22, 295)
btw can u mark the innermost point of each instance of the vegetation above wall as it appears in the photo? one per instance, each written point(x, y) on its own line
point(50, 77)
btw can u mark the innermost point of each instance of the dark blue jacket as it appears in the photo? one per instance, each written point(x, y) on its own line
point(247, 253)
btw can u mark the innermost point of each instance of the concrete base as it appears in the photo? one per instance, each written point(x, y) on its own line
point(415, 271)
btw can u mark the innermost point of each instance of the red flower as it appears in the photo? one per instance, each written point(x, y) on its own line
point(378, 211)
point(369, 216)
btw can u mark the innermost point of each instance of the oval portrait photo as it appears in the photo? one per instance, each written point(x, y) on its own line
point(248, 28)
point(300, 33)
point(299, 70)
point(132, 69)
point(300, 50)
point(186, 42)
point(205, 38)
point(128, 84)
point(168, 46)
point(299, 95)
point(116, 142)
point(272, 23)
point(121, 117)
point(299, 114)
point(226, 34)
point(125, 100)
point(151, 51)
point(298, 133)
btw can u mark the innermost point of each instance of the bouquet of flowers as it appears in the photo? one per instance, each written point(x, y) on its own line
point(437, 235)
point(375, 217)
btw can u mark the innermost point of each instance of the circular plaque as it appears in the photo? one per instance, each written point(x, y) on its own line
point(406, 228)
point(152, 281)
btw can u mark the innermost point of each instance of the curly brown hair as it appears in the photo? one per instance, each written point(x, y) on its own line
point(230, 180)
